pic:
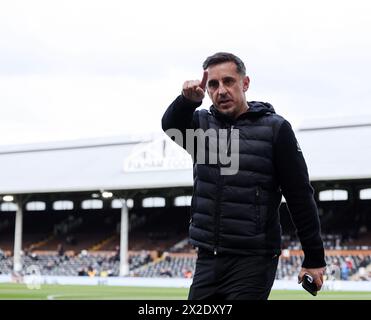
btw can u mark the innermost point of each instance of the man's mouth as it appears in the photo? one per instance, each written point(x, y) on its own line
point(223, 102)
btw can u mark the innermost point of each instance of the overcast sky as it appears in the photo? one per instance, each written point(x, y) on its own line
point(77, 69)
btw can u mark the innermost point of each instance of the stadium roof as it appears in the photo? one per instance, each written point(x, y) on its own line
point(106, 163)
point(337, 149)
point(333, 151)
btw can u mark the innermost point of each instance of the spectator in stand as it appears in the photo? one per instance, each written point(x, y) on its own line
point(166, 256)
point(349, 264)
point(104, 274)
point(166, 272)
point(334, 271)
point(60, 250)
point(91, 271)
point(82, 272)
point(116, 255)
point(362, 274)
point(187, 273)
point(344, 271)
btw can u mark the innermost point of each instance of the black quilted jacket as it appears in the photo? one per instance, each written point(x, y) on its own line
point(239, 213)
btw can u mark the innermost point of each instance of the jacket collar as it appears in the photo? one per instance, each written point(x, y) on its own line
point(256, 109)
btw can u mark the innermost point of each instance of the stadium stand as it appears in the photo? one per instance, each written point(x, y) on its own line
point(341, 265)
point(83, 264)
point(86, 243)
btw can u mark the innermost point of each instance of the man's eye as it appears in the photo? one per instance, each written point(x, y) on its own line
point(213, 84)
point(228, 81)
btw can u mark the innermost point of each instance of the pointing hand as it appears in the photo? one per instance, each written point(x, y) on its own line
point(194, 90)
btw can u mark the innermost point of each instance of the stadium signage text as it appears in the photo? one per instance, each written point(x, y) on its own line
point(159, 154)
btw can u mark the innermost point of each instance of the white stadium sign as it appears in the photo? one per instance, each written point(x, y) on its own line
point(159, 154)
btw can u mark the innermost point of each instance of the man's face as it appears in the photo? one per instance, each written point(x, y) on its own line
point(226, 88)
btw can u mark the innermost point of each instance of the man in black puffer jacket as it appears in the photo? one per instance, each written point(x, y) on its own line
point(235, 214)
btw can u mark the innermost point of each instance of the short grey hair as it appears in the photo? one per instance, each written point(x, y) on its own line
point(221, 57)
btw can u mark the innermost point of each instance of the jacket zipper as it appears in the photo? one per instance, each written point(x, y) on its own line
point(257, 197)
point(219, 190)
point(219, 194)
point(229, 138)
point(217, 211)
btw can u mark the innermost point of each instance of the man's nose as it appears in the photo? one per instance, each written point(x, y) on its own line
point(222, 89)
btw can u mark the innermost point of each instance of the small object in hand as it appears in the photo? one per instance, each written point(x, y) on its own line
point(309, 285)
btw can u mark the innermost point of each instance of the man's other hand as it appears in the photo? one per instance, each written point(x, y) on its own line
point(316, 273)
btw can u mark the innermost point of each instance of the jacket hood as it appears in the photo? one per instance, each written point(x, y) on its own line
point(260, 108)
point(256, 109)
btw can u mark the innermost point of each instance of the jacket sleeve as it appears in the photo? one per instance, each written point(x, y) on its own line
point(180, 115)
point(293, 177)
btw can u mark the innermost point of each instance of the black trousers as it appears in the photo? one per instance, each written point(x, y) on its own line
point(232, 277)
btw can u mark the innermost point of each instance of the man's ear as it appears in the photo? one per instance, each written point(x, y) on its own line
point(246, 83)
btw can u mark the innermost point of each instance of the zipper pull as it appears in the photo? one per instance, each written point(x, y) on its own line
point(257, 195)
point(229, 140)
point(215, 251)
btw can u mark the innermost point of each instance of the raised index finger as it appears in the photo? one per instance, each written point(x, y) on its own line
point(204, 79)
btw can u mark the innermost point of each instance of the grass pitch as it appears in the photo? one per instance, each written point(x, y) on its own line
point(11, 291)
